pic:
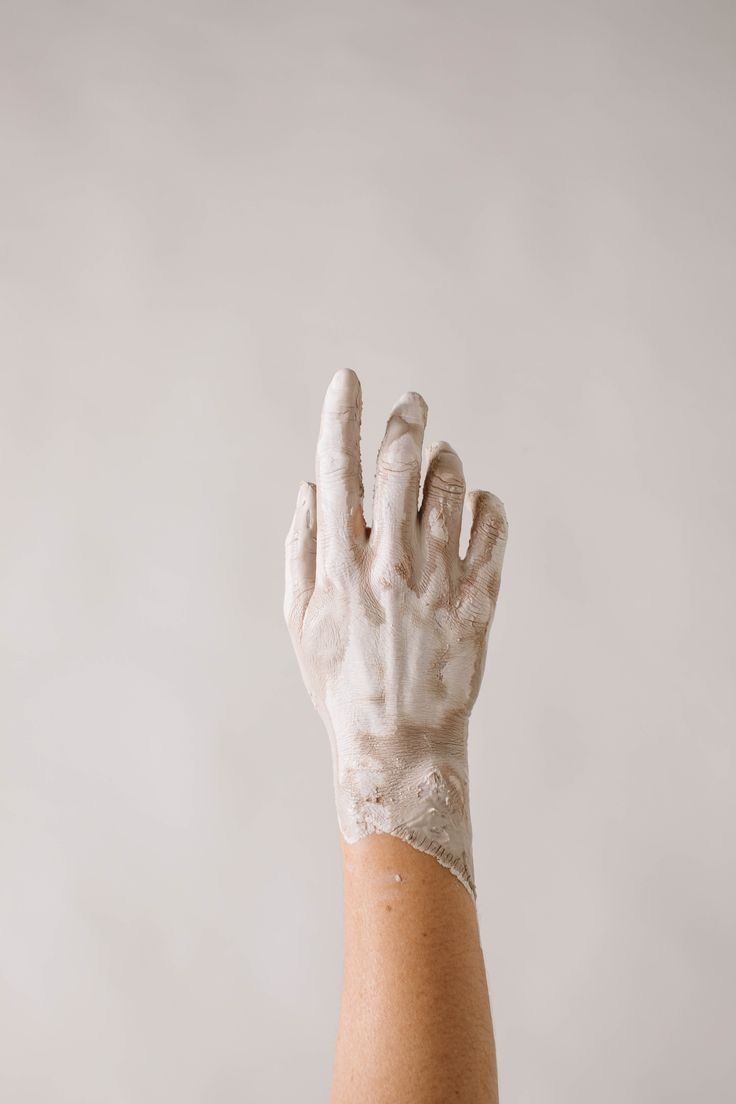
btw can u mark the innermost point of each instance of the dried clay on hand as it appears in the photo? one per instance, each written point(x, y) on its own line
point(390, 625)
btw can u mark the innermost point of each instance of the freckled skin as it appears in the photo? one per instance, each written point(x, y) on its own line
point(390, 626)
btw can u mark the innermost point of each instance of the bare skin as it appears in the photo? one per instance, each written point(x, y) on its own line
point(390, 627)
point(415, 1019)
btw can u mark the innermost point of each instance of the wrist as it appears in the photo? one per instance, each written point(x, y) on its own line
point(419, 795)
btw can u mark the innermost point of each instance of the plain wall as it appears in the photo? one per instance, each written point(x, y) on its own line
point(525, 211)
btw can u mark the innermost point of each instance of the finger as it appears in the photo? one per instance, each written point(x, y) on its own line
point(442, 503)
point(340, 522)
point(301, 556)
point(484, 559)
point(396, 492)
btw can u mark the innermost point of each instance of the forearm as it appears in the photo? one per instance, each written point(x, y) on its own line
point(415, 1021)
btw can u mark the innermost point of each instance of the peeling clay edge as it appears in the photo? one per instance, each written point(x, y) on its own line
point(454, 865)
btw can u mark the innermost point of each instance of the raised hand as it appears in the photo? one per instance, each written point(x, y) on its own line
point(390, 625)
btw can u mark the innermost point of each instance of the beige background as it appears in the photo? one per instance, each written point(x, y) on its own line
point(523, 210)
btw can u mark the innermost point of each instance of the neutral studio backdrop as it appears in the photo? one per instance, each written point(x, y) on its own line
point(523, 210)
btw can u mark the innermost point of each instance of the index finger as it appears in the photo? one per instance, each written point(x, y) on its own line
point(340, 521)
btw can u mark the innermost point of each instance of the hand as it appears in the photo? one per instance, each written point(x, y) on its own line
point(390, 626)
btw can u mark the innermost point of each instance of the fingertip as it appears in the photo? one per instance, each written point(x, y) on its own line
point(345, 377)
point(344, 386)
point(412, 408)
point(488, 513)
point(441, 446)
point(499, 512)
point(475, 498)
point(442, 454)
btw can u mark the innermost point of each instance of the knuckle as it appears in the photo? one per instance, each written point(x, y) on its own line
point(477, 607)
point(335, 465)
point(446, 484)
point(389, 573)
point(399, 456)
point(391, 466)
point(338, 575)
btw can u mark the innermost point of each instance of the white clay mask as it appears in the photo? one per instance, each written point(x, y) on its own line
point(390, 626)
